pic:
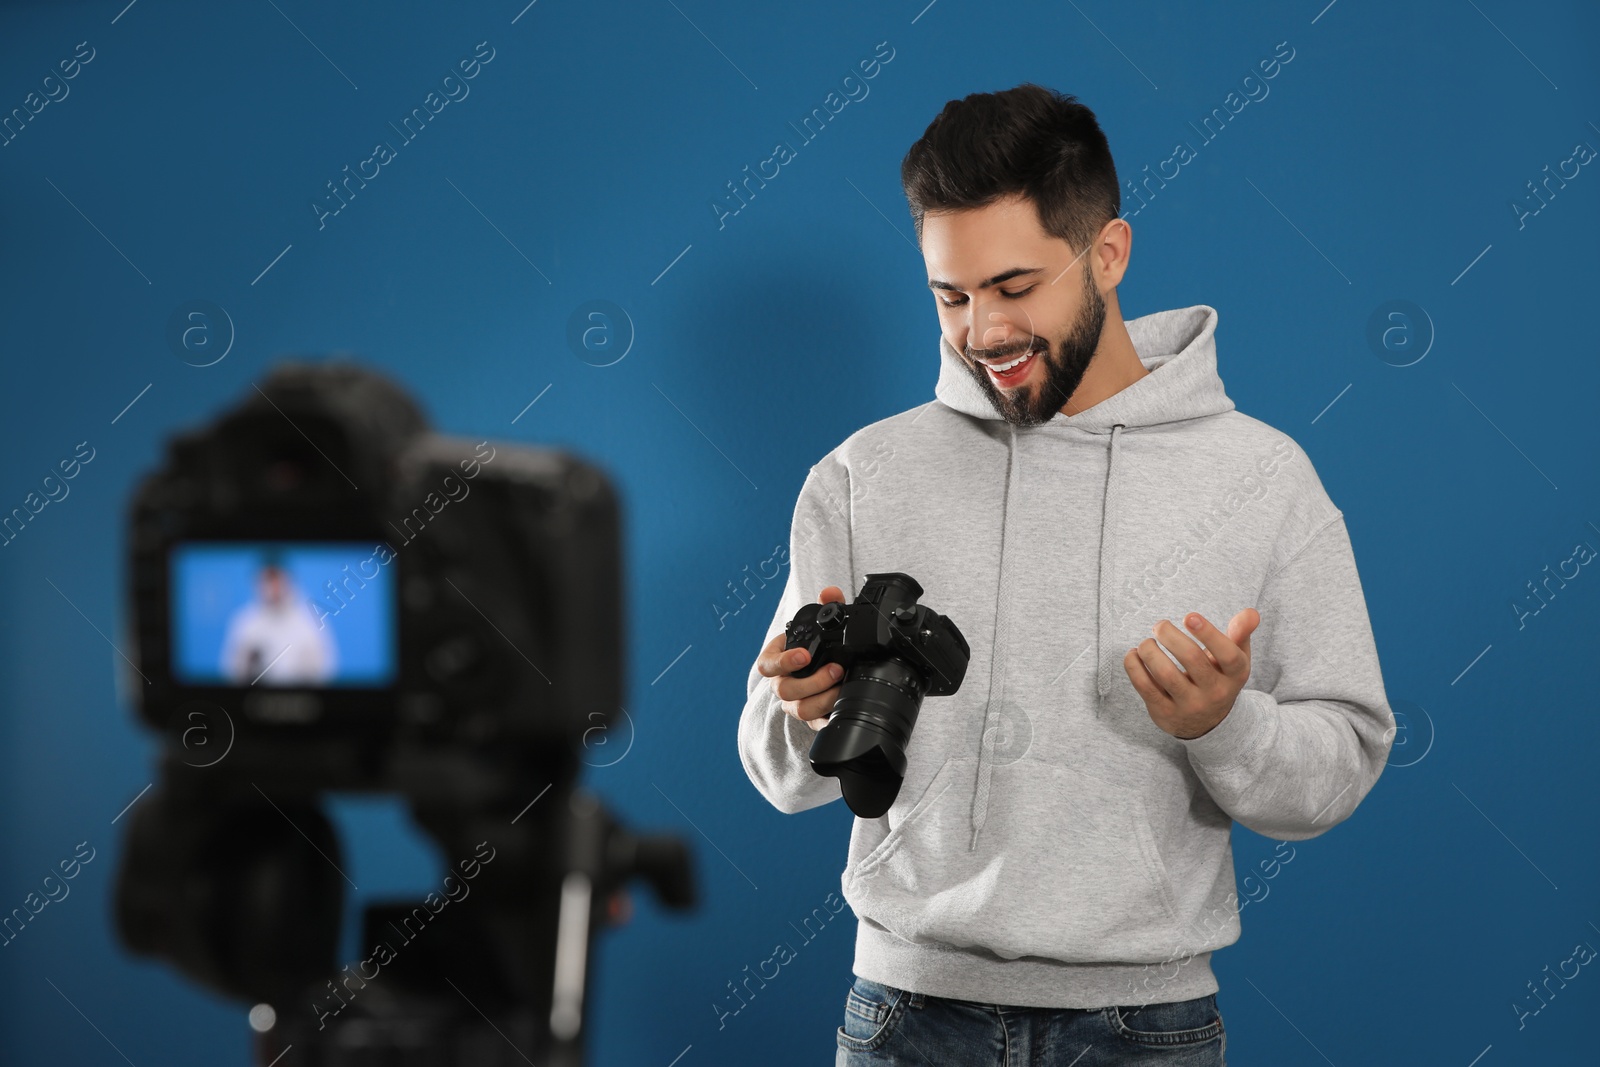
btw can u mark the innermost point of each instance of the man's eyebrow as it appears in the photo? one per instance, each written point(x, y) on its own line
point(1003, 276)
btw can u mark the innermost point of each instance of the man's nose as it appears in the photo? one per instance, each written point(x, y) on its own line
point(994, 328)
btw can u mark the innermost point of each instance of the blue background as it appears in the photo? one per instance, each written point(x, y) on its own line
point(584, 165)
point(210, 582)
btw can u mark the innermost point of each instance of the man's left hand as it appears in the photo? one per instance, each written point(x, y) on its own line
point(1189, 702)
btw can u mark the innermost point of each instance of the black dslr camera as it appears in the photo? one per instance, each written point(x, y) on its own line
point(894, 652)
point(326, 596)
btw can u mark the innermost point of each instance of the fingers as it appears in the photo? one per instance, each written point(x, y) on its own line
point(1143, 683)
point(1242, 626)
point(776, 661)
point(1173, 682)
point(1195, 662)
point(809, 699)
point(1231, 659)
point(789, 687)
point(773, 661)
point(813, 710)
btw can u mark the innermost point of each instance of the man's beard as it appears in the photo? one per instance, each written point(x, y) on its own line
point(1036, 403)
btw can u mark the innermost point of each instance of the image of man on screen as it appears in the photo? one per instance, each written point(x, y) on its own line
point(275, 639)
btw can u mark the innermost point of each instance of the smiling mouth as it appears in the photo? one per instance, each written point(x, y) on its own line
point(1010, 372)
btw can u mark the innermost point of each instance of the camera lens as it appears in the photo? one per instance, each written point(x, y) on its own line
point(864, 743)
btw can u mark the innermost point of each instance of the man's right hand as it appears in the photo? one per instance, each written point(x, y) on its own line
point(808, 699)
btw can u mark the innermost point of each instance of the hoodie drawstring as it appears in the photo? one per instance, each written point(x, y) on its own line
point(997, 681)
point(1108, 661)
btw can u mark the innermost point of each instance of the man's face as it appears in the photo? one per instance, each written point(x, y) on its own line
point(1041, 300)
point(272, 585)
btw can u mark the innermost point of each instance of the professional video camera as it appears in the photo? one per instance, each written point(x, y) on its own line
point(894, 652)
point(326, 596)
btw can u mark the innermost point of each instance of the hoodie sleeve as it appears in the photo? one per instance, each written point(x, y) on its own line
point(1310, 732)
point(774, 746)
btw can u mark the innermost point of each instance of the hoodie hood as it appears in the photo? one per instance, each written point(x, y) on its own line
point(1180, 344)
point(1178, 348)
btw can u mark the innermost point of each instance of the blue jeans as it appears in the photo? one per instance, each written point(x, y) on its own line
point(889, 1026)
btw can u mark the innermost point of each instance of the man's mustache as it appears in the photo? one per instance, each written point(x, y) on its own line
point(995, 356)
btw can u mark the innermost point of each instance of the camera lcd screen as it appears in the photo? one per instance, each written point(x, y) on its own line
point(283, 613)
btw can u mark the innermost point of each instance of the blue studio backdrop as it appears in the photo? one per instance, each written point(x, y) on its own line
point(590, 243)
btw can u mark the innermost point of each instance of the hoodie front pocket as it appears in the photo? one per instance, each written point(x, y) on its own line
point(1065, 867)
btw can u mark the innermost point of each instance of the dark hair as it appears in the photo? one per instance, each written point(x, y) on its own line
point(1030, 140)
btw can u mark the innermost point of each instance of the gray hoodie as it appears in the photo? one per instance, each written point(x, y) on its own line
point(1051, 846)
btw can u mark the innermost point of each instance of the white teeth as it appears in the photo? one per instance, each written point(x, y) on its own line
point(1013, 363)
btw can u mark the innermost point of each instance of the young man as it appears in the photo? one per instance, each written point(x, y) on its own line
point(1167, 629)
point(276, 638)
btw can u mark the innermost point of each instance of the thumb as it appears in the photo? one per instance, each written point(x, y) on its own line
point(825, 598)
point(1241, 626)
